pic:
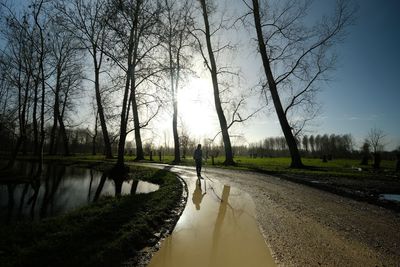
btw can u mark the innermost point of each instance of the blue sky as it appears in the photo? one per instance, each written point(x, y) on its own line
point(365, 90)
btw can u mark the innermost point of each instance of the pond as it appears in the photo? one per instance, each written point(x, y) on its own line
point(60, 189)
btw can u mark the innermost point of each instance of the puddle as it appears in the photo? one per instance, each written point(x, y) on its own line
point(390, 197)
point(217, 228)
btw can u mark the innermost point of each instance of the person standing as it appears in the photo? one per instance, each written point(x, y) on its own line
point(198, 156)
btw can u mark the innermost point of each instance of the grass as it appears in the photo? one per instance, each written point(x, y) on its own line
point(105, 233)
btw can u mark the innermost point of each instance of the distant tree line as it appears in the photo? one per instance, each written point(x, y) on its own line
point(339, 146)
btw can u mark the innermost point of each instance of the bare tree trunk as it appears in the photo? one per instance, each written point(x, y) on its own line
point(174, 90)
point(52, 142)
point(177, 152)
point(100, 109)
point(35, 121)
point(22, 103)
point(136, 122)
point(125, 110)
point(287, 131)
point(43, 87)
point(95, 136)
point(177, 156)
point(63, 133)
point(217, 100)
point(56, 109)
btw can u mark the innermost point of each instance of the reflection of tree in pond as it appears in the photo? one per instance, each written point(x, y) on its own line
point(53, 178)
point(35, 186)
point(197, 196)
point(100, 187)
point(10, 190)
point(119, 176)
point(60, 189)
point(22, 201)
point(90, 185)
point(118, 185)
point(134, 186)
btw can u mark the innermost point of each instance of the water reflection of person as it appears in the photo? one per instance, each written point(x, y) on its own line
point(197, 196)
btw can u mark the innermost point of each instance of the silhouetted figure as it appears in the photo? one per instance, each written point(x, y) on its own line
point(198, 156)
point(197, 196)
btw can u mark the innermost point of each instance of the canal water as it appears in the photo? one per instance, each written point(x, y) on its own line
point(59, 189)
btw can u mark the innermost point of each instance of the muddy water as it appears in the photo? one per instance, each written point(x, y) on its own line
point(217, 228)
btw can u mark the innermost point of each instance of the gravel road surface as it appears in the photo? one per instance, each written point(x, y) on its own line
point(304, 226)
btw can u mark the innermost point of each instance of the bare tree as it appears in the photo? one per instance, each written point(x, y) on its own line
point(177, 40)
point(375, 139)
point(135, 34)
point(295, 57)
point(211, 64)
point(64, 59)
point(37, 10)
point(22, 61)
point(88, 21)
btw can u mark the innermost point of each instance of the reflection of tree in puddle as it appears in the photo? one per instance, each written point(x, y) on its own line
point(197, 196)
point(218, 228)
point(221, 215)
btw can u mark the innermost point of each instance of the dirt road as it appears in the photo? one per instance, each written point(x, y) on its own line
point(304, 226)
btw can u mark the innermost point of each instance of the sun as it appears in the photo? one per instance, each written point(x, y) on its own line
point(196, 109)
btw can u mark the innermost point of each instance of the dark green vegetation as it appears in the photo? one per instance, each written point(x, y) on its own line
point(105, 233)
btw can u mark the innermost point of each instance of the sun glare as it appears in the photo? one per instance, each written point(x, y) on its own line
point(196, 109)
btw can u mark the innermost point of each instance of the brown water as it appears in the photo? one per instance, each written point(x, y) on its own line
point(217, 228)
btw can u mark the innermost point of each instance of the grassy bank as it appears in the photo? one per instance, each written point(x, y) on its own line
point(105, 233)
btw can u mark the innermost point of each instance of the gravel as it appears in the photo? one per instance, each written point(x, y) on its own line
point(304, 226)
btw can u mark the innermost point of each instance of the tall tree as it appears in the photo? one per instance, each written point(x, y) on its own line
point(135, 28)
point(295, 57)
point(18, 61)
point(177, 38)
point(37, 10)
point(65, 60)
point(87, 19)
point(211, 63)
